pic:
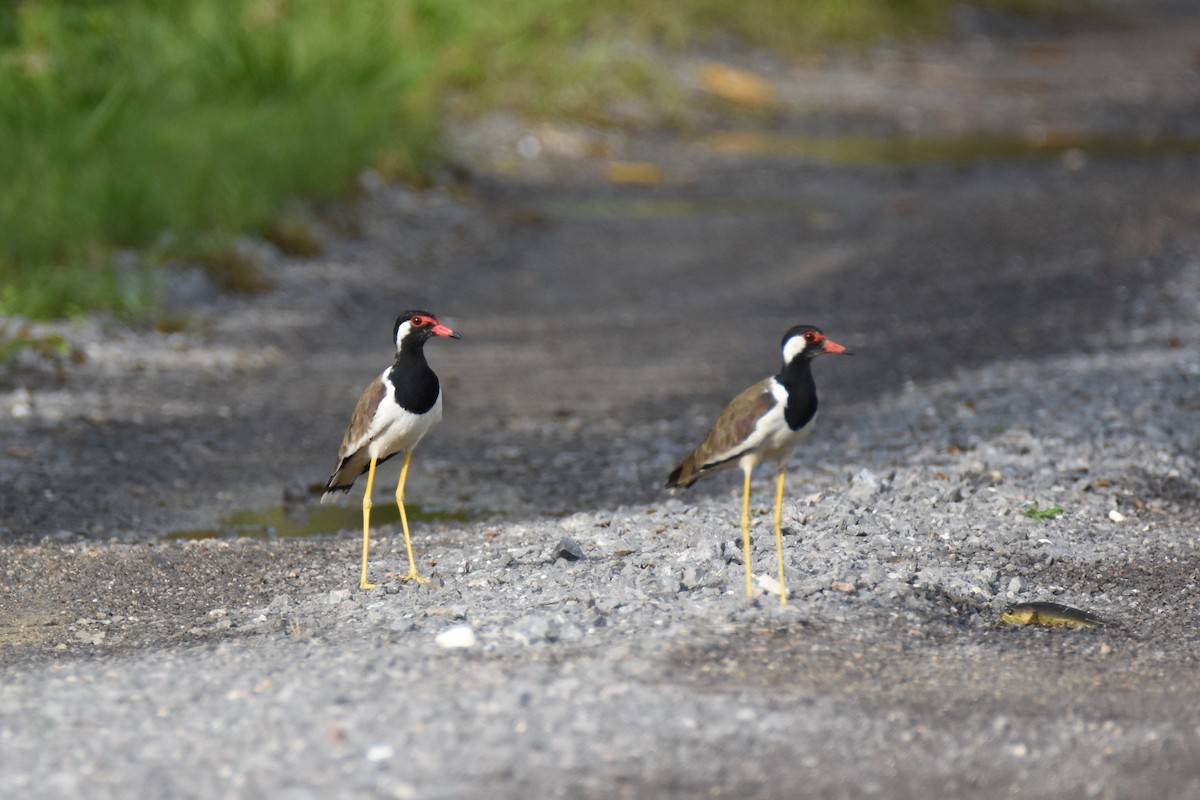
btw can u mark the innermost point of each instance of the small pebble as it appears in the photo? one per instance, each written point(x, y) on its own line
point(768, 584)
point(380, 752)
point(568, 549)
point(456, 637)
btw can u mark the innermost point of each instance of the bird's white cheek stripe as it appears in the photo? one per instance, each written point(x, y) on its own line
point(401, 332)
point(793, 347)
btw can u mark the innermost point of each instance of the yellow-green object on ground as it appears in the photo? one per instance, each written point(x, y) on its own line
point(1054, 615)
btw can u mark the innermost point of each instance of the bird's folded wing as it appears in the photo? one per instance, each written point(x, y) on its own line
point(363, 423)
point(734, 431)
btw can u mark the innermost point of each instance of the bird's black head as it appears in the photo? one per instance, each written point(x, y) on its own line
point(416, 327)
point(807, 342)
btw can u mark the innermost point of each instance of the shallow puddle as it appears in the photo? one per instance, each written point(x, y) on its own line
point(664, 208)
point(1072, 148)
point(952, 149)
point(669, 208)
point(292, 521)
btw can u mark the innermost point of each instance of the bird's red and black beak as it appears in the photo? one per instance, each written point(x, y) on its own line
point(830, 346)
point(439, 329)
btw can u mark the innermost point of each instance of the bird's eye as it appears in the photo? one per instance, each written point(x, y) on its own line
point(418, 322)
point(810, 337)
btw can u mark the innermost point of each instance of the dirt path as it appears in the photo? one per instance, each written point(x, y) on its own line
point(1015, 315)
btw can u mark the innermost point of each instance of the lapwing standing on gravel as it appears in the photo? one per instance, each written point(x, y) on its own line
point(394, 412)
point(763, 423)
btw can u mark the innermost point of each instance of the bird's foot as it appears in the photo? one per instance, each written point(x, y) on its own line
point(362, 584)
point(414, 576)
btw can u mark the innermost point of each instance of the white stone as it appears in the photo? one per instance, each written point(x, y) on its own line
point(380, 752)
point(866, 478)
point(768, 584)
point(456, 637)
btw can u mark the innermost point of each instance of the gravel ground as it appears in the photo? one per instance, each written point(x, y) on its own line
point(1026, 333)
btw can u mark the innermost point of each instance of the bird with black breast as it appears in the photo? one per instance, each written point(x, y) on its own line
point(393, 414)
point(763, 423)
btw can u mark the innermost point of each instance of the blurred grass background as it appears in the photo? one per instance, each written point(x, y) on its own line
point(139, 131)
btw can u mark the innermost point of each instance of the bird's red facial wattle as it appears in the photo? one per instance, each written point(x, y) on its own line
point(823, 343)
point(435, 328)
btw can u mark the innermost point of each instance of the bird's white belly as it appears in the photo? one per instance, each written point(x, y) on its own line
point(774, 440)
point(401, 430)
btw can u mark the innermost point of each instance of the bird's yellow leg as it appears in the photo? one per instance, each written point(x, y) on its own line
point(412, 564)
point(746, 534)
point(362, 581)
point(779, 536)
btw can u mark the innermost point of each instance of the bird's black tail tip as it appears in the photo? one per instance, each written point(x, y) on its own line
point(673, 478)
point(329, 490)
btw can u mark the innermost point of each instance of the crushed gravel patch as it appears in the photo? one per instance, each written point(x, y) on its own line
point(527, 669)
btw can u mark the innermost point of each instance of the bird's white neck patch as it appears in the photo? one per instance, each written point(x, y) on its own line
point(401, 332)
point(793, 347)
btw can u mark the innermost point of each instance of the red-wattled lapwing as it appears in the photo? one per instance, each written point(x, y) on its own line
point(393, 413)
point(763, 423)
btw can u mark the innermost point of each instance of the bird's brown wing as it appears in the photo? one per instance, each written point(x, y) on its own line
point(352, 460)
point(731, 429)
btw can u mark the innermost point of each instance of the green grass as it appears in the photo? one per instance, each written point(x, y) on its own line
point(52, 347)
point(1032, 511)
point(153, 125)
point(159, 127)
